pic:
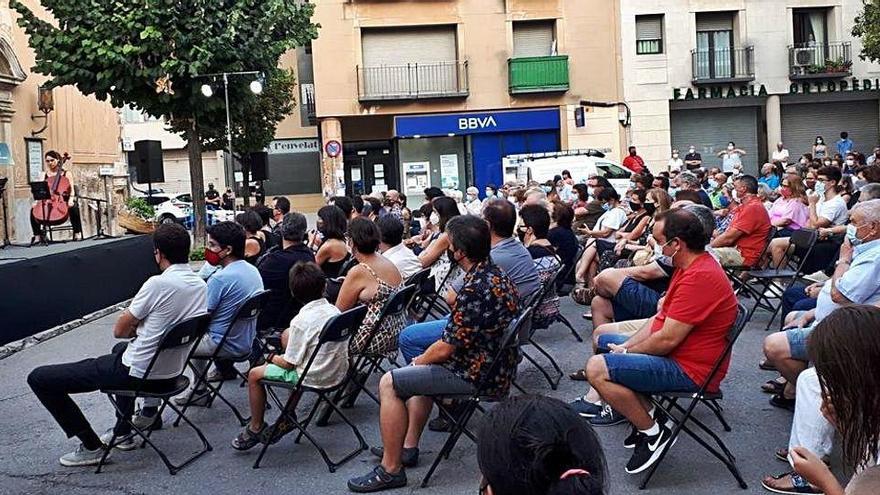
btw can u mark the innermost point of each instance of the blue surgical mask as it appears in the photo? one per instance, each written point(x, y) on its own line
point(672, 191)
point(606, 206)
point(713, 183)
point(820, 188)
point(852, 235)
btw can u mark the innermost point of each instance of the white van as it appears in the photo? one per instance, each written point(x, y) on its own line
point(582, 164)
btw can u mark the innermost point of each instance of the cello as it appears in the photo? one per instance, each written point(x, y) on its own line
point(55, 211)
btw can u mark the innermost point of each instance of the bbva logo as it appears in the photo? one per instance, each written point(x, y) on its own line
point(477, 123)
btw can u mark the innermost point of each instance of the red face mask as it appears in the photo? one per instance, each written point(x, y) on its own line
point(213, 257)
point(786, 192)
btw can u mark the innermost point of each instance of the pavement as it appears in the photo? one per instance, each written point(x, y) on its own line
point(31, 442)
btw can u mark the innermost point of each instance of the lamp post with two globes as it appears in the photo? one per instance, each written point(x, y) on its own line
point(256, 87)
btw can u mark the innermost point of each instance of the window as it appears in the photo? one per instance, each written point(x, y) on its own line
point(715, 54)
point(133, 116)
point(533, 39)
point(649, 34)
point(810, 27)
point(611, 171)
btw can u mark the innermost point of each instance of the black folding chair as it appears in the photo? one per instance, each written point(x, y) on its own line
point(560, 318)
point(682, 416)
point(770, 284)
point(248, 312)
point(338, 329)
point(531, 306)
point(563, 287)
point(734, 272)
point(169, 361)
point(420, 304)
point(469, 404)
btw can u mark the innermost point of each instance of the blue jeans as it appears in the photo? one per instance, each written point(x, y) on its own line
point(414, 339)
point(795, 299)
point(797, 342)
point(642, 372)
point(634, 301)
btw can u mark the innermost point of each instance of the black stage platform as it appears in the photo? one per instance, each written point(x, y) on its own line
point(45, 286)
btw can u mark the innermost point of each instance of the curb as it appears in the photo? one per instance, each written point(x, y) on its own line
point(20, 345)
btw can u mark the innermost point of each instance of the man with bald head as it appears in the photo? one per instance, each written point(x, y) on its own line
point(394, 205)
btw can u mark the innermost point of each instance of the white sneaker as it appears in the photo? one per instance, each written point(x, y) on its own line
point(125, 443)
point(82, 457)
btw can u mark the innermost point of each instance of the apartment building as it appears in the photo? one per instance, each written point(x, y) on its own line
point(412, 94)
point(755, 72)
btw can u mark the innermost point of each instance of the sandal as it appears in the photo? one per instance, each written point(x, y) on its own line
point(578, 376)
point(790, 483)
point(248, 439)
point(583, 295)
point(773, 386)
point(767, 366)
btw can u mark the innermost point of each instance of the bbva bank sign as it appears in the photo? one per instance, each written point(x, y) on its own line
point(414, 126)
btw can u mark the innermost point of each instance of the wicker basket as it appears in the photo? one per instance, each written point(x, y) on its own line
point(135, 224)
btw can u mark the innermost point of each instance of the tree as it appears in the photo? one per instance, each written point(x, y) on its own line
point(867, 27)
point(148, 54)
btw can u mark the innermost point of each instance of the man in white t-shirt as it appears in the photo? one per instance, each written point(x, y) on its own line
point(780, 156)
point(675, 162)
point(392, 247)
point(163, 301)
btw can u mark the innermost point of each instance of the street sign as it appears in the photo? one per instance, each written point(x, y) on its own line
point(333, 148)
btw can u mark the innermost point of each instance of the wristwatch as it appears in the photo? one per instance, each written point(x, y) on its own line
point(840, 262)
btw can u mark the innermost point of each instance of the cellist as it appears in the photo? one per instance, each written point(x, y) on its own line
point(54, 167)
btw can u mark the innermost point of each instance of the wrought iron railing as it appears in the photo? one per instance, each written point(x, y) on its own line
point(820, 60)
point(723, 64)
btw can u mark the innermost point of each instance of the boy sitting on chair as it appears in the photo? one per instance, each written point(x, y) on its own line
point(307, 283)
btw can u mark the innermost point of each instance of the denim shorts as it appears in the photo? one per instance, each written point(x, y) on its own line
point(642, 372)
point(797, 342)
point(634, 301)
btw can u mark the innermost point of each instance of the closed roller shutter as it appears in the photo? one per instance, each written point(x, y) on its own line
point(411, 45)
point(715, 21)
point(710, 129)
point(802, 122)
point(532, 39)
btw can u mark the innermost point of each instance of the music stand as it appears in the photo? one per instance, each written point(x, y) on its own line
point(99, 234)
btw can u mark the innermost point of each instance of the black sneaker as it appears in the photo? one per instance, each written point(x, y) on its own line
point(608, 417)
point(632, 440)
point(585, 408)
point(377, 480)
point(409, 457)
point(648, 449)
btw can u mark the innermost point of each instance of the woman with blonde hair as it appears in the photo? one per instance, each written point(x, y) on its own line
point(790, 211)
point(657, 201)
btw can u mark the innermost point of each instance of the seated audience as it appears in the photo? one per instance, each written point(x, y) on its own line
point(436, 245)
point(604, 238)
point(275, 269)
point(533, 232)
point(484, 307)
point(299, 342)
point(254, 246)
point(690, 182)
point(392, 247)
point(790, 212)
point(228, 290)
point(744, 240)
point(372, 283)
point(536, 445)
point(769, 176)
point(332, 252)
point(272, 240)
point(677, 348)
point(280, 207)
point(177, 294)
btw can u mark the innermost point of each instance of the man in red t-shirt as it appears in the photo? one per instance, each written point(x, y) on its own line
point(677, 348)
point(634, 162)
point(744, 240)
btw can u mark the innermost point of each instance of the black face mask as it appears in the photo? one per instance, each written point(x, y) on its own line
point(650, 208)
point(521, 233)
point(636, 206)
point(451, 255)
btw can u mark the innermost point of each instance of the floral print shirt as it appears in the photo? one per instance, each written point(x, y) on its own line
point(483, 310)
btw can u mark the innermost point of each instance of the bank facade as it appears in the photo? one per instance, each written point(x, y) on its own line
point(703, 74)
point(411, 94)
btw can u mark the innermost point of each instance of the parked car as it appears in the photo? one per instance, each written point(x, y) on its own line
point(178, 208)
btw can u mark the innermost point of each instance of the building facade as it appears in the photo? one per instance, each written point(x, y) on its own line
point(436, 93)
point(754, 72)
point(85, 128)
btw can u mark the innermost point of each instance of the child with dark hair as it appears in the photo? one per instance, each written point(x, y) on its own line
point(307, 283)
point(533, 445)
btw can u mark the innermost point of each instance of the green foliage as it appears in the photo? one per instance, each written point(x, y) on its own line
point(197, 254)
point(867, 27)
point(140, 208)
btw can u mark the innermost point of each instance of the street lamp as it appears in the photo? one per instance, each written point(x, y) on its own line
point(256, 87)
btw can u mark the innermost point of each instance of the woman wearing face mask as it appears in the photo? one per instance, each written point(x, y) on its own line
point(820, 150)
point(533, 231)
point(603, 239)
point(790, 212)
point(330, 238)
point(435, 254)
point(731, 159)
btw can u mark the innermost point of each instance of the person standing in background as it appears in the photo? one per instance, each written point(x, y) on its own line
point(675, 163)
point(229, 199)
point(731, 159)
point(693, 160)
point(845, 144)
point(634, 162)
point(212, 197)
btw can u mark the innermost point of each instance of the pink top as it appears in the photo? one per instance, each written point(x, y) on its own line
point(792, 209)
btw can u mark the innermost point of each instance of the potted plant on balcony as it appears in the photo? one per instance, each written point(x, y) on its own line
point(837, 66)
point(137, 216)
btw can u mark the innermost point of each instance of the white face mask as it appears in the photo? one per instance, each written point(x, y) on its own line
point(850, 162)
point(729, 147)
point(675, 155)
point(692, 151)
point(735, 196)
point(434, 218)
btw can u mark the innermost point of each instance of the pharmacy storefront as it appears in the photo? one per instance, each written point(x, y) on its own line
point(454, 151)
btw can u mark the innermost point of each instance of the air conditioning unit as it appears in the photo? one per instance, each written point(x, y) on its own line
point(804, 57)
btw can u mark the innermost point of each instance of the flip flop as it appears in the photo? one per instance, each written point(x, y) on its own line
point(579, 376)
point(772, 387)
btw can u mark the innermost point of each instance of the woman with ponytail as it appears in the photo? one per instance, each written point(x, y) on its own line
point(532, 445)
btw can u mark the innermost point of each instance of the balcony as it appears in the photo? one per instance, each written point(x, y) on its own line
point(723, 65)
point(819, 61)
point(538, 74)
point(413, 81)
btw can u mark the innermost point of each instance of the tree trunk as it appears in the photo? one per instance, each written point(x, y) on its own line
point(246, 180)
point(194, 148)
